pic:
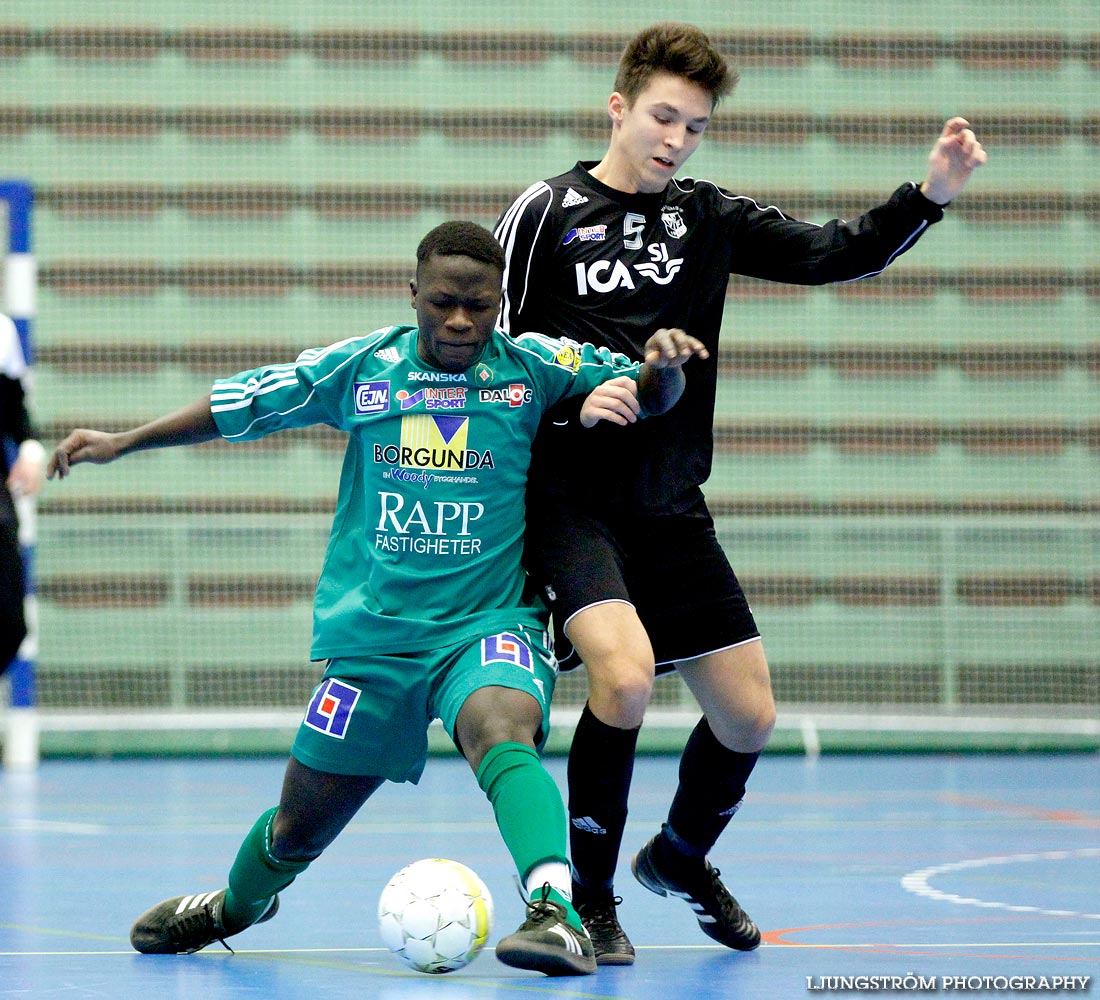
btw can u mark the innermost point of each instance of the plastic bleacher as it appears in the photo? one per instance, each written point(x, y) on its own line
point(905, 470)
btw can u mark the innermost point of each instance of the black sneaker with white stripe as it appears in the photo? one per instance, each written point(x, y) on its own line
point(719, 914)
point(547, 942)
point(185, 924)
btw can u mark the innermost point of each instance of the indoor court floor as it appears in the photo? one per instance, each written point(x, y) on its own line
point(913, 873)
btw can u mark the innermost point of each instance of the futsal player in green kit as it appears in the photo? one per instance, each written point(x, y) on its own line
point(421, 610)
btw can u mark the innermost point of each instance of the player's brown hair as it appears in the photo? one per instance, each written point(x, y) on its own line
point(680, 49)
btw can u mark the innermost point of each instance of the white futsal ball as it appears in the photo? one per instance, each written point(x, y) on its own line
point(435, 915)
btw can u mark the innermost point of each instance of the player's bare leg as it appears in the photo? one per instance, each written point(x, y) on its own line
point(733, 687)
point(315, 806)
point(616, 652)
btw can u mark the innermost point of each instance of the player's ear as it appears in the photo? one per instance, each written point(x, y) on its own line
point(412, 291)
point(616, 105)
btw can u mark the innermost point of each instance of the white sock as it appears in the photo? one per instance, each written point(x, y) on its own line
point(556, 873)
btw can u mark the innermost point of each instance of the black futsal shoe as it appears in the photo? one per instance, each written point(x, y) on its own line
point(547, 942)
point(185, 924)
point(719, 914)
point(597, 913)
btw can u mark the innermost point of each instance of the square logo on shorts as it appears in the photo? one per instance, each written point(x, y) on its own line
point(506, 648)
point(330, 710)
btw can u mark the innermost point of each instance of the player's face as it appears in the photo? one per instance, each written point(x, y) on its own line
point(657, 132)
point(456, 300)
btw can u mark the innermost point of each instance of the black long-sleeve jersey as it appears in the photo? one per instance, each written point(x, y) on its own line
point(591, 263)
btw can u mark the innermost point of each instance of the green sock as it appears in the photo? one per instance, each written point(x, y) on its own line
point(256, 876)
point(571, 915)
point(528, 808)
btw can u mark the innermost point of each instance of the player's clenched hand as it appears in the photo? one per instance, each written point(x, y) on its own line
point(82, 446)
point(615, 400)
point(955, 156)
point(672, 348)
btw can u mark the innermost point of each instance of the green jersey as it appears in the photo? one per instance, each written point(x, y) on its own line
point(428, 532)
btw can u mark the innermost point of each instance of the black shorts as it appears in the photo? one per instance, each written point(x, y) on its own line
point(670, 567)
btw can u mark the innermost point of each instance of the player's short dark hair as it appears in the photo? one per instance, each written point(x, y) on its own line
point(463, 239)
point(680, 49)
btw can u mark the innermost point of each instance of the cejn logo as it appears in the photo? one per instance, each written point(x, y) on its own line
point(372, 397)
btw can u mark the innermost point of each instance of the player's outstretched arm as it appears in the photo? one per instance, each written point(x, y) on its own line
point(661, 380)
point(955, 156)
point(192, 424)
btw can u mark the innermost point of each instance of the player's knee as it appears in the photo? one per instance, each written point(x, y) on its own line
point(493, 716)
point(619, 691)
point(746, 730)
point(295, 842)
point(490, 731)
point(763, 724)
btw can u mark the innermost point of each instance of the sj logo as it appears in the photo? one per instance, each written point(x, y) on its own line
point(660, 267)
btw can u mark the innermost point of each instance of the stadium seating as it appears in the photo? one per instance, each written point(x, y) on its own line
point(905, 470)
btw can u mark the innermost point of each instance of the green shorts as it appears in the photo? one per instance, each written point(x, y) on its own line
point(370, 714)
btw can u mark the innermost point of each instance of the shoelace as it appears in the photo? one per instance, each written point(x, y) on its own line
point(183, 930)
point(602, 916)
point(720, 893)
point(731, 909)
point(538, 910)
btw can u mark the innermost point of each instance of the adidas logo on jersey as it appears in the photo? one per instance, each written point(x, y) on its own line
point(572, 198)
point(389, 354)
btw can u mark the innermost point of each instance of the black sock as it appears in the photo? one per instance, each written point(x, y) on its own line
point(601, 764)
point(712, 785)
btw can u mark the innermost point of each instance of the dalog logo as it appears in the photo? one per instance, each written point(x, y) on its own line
point(515, 395)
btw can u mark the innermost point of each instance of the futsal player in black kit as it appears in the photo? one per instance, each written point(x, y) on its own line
point(605, 253)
